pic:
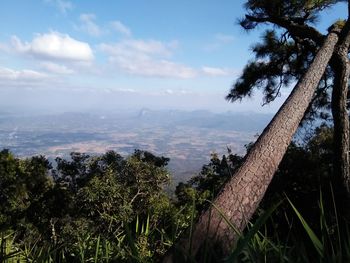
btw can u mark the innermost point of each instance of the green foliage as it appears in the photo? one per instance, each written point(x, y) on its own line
point(117, 209)
point(277, 64)
point(285, 51)
point(297, 11)
point(87, 209)
point(275, 235)
point(209, 181)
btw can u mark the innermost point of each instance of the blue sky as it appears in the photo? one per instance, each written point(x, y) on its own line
point(87, 55)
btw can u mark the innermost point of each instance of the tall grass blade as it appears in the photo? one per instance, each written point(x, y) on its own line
point(137, 224)
point(314, 239)
point(134, 251)
point(97, 249)
point(336, 219)
point(227, 220)
point(193, 211)
point(243, 241)
point(147, 226)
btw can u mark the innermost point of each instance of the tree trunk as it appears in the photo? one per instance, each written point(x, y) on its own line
point(341, 122)
point(341, 68)
point(242, 194)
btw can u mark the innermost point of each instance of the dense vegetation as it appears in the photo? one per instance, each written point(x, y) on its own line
point(111, 208)
point(292, 50)
point(115, 203)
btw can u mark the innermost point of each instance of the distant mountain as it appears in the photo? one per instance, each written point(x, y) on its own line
point(250, 122)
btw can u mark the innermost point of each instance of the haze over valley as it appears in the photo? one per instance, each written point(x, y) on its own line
point(187, 137)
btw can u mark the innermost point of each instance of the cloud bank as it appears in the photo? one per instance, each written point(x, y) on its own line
point(54, 45)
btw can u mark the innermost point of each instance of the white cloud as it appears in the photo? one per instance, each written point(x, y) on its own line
point(224, 38)
point(54, 45)
point(140, 47)
point(127, 90)
point(17, 75)
point(120, 28)
point(4, 47)
point(217, 72)
point(62, 5)
point(146, 66)
point(146, 58)
point(219, 40)
point(151, 58)
point(56, 68)
point(88, 25)
point(169, 91)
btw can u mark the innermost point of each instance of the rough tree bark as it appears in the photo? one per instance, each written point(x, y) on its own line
point(341, 162)
point(341, 68)
point(242, 194)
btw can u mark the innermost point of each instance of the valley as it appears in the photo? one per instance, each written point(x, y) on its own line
point(187, 138)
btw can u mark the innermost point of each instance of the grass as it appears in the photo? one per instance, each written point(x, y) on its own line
point(329, 243)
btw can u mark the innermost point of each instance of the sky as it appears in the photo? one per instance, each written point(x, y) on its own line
point(61, 55)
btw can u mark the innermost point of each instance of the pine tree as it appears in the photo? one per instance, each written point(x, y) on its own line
point(284, 56)
point(312, 52)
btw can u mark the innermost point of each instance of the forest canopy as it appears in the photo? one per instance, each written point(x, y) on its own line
point(113, 208)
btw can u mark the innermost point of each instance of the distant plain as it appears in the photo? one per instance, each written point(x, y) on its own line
point(188, 138)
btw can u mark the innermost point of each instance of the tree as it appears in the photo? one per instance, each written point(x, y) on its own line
point(341, 67)
point(285, 55)
point(73, 172)
point(303, 175)
point(207, 184)
point(12, 190)
point(241, 195)
point(87, 202)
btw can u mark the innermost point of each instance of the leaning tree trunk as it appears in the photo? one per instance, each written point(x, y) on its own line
point(341, 68)
point(241, 195)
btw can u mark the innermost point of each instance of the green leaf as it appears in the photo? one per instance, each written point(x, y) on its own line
point(245, 239)
point(315, 240)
